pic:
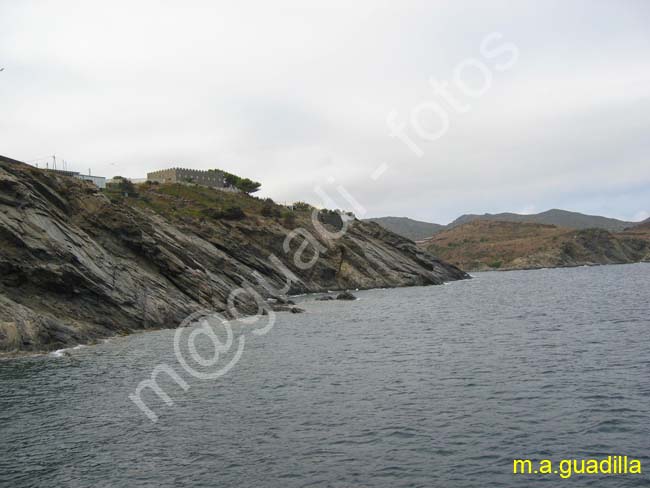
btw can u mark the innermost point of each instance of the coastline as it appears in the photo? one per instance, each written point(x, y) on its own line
point(108, 264)
point(563, 266)
point(4, 355)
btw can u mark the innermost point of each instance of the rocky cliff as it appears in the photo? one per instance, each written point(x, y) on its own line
point(78, 264)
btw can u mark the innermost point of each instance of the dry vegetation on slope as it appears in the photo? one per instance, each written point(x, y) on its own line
point(483, 245)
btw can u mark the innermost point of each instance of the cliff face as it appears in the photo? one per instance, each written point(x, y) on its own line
point(483, 245)
point(77, 265)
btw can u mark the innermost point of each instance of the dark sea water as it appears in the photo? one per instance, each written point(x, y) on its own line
point(430, 386)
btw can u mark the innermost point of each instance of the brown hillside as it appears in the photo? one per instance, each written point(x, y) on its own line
point(483, 245)
point(641, 227)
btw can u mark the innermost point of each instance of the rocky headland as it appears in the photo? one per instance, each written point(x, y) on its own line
point(78, 264)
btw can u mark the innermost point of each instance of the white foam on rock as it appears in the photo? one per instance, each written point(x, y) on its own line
point(61, 352)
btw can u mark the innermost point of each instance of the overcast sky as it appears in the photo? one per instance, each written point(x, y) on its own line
point(552, 109)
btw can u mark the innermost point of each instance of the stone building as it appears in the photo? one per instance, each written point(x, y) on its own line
point(212, 178)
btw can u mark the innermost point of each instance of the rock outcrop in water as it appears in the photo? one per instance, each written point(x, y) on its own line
point(325, 298)
point(346, 295)
point(77, 264)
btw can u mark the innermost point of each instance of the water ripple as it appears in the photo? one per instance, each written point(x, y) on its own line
point(418, 387)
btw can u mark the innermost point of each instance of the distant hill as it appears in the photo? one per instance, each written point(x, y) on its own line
point(642, 225)
point(409, 228)
point(488, 244)
point(561, 218)
point(417, 230)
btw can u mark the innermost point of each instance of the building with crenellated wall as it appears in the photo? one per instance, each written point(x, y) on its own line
point(212, 178)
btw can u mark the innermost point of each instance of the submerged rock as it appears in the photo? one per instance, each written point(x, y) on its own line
point(324, 298)
point(287, 308)
point(346, 295)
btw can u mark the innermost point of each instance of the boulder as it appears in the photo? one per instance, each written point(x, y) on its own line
point(346, 295)
point(281, 308)
point(286, 308)
point(283, 301)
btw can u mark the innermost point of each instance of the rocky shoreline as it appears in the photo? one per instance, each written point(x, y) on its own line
point(78, 265)
point(293, 301)
point(561, 266)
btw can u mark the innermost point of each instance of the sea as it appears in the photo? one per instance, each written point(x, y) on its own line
point(437, 386)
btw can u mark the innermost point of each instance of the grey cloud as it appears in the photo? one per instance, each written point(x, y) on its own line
point(291, 95)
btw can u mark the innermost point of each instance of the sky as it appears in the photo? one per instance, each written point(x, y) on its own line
point(421, 109)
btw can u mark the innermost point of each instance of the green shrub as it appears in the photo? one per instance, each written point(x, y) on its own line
point(302, 207)
point(123, 186)
point(288, 219)
point(270, 209)
point(233, 213)
point(569, 249)
point(331, 217)
point(230, 213)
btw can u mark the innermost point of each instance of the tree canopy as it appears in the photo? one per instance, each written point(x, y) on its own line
point(244, 184)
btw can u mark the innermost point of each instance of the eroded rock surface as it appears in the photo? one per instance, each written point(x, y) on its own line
point(76, 266)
